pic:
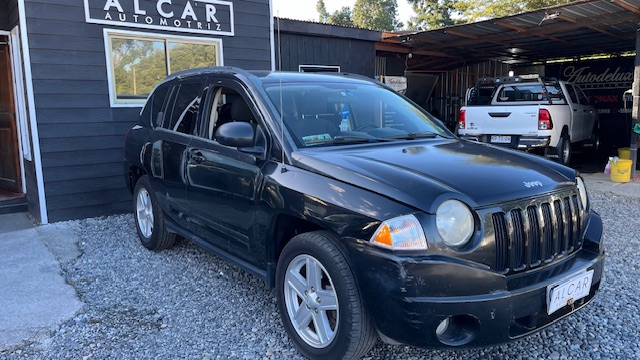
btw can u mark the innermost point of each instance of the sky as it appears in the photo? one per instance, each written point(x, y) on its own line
point(306, 9)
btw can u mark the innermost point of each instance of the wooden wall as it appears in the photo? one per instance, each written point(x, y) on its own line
point(8, 14)
point(4, 15)
point(306, 43)
point(81, 135)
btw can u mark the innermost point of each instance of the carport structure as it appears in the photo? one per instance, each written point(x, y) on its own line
point(572, 31)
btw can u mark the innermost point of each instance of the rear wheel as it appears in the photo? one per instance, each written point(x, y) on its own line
point(149, 218)
point(562, 152)
point(319, 302)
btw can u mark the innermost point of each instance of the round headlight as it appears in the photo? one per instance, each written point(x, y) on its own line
point(582, 190)
point(454, 222)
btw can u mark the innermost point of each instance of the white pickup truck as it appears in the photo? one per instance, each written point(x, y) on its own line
point(529, 113)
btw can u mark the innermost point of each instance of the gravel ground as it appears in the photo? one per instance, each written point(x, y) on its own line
point(187, 303)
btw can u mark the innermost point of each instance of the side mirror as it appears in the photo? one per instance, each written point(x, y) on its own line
point(236, 134)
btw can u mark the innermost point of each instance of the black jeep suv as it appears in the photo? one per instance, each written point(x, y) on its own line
point(363, 211)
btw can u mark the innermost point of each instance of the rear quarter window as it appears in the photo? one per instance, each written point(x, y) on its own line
point(153, 107)
point(185, 109)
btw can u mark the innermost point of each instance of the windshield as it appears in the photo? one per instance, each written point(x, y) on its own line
point(328, 114)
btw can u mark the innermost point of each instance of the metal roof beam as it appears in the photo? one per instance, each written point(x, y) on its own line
point(624, 5)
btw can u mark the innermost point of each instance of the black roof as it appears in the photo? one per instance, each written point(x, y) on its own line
point(267, 76)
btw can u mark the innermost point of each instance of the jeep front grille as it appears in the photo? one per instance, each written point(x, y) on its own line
point(537, 233)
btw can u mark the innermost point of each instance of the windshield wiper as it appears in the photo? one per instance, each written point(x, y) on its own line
point(416, 135)
point(357, 139)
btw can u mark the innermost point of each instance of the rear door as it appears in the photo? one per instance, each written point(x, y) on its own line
point(168, 145)
point(589, 113)
point(577, 114)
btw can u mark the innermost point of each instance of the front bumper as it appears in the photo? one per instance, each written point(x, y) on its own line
point(408, 297)
point(522, 142)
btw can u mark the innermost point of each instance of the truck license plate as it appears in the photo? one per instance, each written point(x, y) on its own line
point(500, 139)
point(566, 292)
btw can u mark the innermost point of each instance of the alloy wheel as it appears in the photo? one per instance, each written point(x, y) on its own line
point(144, 213)
point(311, 301)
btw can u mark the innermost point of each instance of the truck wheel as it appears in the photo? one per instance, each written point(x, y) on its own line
point(149, 218)
point(594, 140)
point(561, 153)
point(320, 304)
point(564, 150)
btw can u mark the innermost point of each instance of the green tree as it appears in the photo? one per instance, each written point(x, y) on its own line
point(341, 17)
point(477, 10)
point(323, 15)
point(433, 14)
point(379, 15)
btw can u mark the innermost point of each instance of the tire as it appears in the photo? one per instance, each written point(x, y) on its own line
point(149, 218)
point(562, 152)
point(594, 140)
point(331, 323)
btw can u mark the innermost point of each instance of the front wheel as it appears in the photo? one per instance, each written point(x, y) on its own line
point(149, 218)
point(320, 304)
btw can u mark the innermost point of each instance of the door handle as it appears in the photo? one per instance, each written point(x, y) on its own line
point(499, 114)
point(198, 157)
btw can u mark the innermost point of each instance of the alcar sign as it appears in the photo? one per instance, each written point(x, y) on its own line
point(192, 16)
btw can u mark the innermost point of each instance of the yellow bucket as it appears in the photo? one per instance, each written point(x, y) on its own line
point(621, 170)
point(624, 153)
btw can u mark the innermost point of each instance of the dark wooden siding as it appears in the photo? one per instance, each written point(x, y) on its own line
point(307, 43)
point(8, 14)
point(33, 197)
point(12, 17)
point(4, 15)
point(81, 136)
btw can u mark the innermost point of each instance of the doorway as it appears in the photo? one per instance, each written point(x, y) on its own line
point(10, 172)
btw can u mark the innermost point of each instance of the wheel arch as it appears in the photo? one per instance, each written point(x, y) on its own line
point(285, 227)
point(134, 174)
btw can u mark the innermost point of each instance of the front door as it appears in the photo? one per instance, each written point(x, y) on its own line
point(222, 182)
point(9, 161)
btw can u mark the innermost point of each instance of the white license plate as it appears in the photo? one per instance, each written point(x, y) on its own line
point(568, 291)
point(501, 139)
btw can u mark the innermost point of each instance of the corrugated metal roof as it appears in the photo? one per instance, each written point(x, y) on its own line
point(566, 31)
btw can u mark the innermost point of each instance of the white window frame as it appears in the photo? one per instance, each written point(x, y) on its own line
point(108, 33)
point(319, 68)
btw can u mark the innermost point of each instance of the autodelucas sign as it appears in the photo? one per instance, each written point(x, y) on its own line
point(193, 16)
point(604, 81)
point(596, 74)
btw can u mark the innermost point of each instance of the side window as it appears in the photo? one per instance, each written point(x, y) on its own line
point(582, 98)
point(185, 109)
point(572, 94)
point(227, 106)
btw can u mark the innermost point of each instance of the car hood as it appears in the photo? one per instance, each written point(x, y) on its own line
point(422, 173)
